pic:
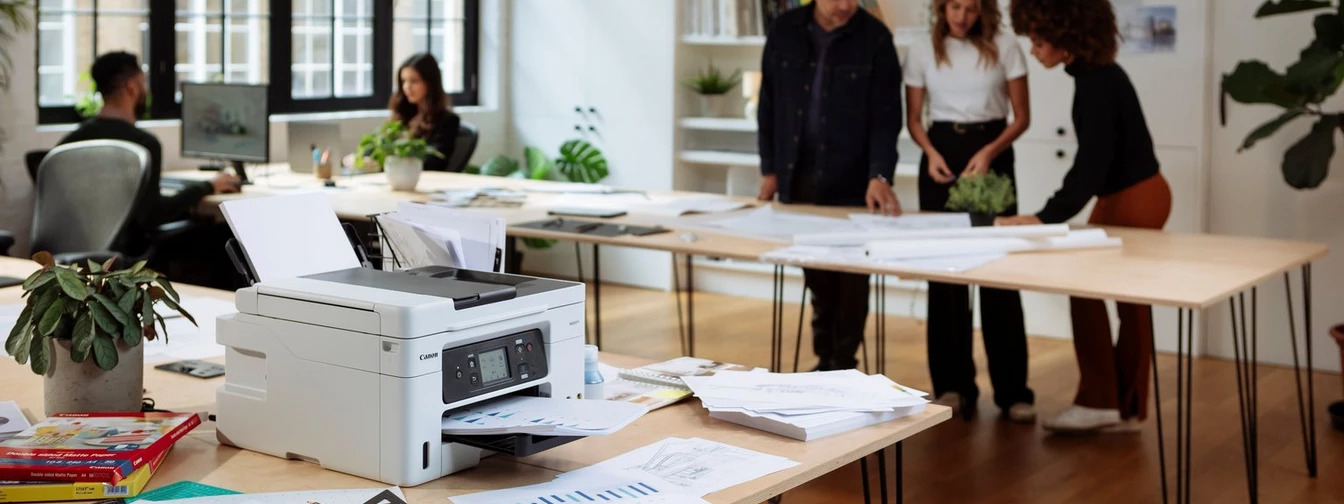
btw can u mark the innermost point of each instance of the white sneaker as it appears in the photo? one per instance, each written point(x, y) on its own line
point(1022, 413)
point(1082, 419)
point(1126, 426)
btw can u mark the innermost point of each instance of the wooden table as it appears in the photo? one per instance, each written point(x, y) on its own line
point(199, 456)
point(1186, 271)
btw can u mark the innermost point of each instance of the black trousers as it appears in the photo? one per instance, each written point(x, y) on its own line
point(839, 312)
point(951, 365)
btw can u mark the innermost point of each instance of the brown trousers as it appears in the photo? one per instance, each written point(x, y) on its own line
point(1115, 376)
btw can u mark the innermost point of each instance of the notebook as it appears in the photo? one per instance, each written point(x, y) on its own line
point(669, 373)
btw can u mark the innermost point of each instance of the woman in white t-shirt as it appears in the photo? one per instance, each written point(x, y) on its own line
point(970, 72)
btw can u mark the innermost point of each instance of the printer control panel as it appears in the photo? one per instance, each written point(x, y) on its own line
point(492, 365)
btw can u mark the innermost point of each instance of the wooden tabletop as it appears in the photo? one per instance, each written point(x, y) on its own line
point(1153, 267)
point(199, 457)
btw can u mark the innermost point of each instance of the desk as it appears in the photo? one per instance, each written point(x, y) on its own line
point(1186, 271)
point(199, 457)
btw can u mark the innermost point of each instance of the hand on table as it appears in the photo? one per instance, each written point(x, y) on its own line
point(226, 183)
point(769, 185)
point(881, 199)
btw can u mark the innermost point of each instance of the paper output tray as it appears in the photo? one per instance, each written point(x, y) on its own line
point(518, 445)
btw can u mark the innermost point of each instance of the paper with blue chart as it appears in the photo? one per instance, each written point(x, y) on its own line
point(542, 415)
point(590, 487)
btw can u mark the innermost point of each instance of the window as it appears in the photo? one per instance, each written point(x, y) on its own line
point(441, 28)
point(70, 34)
point(317, 55)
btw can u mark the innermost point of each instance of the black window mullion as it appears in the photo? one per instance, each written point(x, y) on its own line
point(331, 51)
point(224, 41)
point(282, 55)
point(471, 48)
point(162, 59)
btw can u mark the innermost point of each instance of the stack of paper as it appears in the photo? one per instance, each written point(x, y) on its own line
point(769, 224)
point(805, 406)
point(423, 235)
point(542, 416)
point(674, 470)
point(922, 248)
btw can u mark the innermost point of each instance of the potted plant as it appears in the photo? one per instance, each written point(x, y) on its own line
point(81, 329)
point(402, 156)
point(712, 85)
point(983, 196)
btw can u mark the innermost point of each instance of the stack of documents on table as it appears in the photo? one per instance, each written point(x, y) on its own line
point(767, 223)
point(805, 406)
point(542, 416)
point(674, 470)
point(422, 235)
point(664, 205)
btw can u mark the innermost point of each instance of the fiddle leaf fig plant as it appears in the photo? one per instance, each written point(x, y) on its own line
point(392, 139)
point(93, 307)
point(1299, 90)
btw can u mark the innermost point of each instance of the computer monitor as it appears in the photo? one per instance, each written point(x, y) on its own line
point(226, 121)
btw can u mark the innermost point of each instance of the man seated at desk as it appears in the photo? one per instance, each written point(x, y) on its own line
point(125, 89)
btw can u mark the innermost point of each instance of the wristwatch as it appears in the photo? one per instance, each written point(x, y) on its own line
point(882, 178)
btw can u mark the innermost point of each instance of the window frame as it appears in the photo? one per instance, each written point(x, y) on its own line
point(162, 56)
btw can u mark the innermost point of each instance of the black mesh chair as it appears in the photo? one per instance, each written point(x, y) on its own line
point(84, 197)
point(33, 160)
point(467, 137)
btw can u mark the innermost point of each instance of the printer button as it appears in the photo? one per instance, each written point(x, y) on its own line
point(518, 348)
point(475, 378)
point(471, 363)
point(529, 347)
point(459, 373)
point(524, 368)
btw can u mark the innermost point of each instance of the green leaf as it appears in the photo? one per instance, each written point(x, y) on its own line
point(173, 304)
point(126, 299)
point(169, 288)
point(114, 309)
point(47, 324)
point(1307, 162)
point(147, 318)
point(1316, 75)
point(500, 166)
point(107, 265)
point(1254, 82)
point(163, 326)
point(12, 343)
point(38, 279)
point(135, 268)
point(580, 161)
point(538, 166)
point(1269, 128)
point(72, 284)
point(538, 243)
point(130, 334)
point(94, 267)
point(44, 300)
point(1329, 32)
point(104, 352)
point(1273, 8)
point(81, 338)
point(39, 351)
point(22, 347)
point(990, 193)
point(105, 321)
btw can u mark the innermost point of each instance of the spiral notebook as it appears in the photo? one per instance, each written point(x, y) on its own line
point(669, 373)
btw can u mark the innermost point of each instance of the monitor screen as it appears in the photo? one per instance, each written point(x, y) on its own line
point(225, 121)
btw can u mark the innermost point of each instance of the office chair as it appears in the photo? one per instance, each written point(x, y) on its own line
point(7, 241)
point(33, 159)
point(464, 147)
point(85, 195)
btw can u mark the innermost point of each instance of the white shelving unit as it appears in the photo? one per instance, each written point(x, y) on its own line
point(709, 40)
point(739, 125)
point(724, 158)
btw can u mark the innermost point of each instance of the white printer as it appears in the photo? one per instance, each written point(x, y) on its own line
point(354, 369)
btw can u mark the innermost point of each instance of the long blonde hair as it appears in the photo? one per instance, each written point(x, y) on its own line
point(981, 35)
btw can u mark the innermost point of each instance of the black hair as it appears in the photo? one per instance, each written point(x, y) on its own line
point(113, 70)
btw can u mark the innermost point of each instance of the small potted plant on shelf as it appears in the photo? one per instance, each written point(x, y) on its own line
point(81, 329)
point(712, 86)
point(398, 153)
point(982, 196)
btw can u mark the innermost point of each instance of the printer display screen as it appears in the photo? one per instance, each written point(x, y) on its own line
point(494, 365)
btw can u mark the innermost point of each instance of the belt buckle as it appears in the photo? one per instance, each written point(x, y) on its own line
point(958, 128)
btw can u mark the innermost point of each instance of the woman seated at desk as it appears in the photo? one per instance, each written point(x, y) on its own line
point(422, 105)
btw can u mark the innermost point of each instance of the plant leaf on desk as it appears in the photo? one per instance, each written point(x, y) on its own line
point(38, 279)
point(105, 352)
point(81, 339)
point(44, 258)
point(173, 304)
point(47, 324)
point(105, 321)
point(72, 284)
point(12, 345)
point(114, 309)
point(40, 353)
point(168, 287)
point(147, 318)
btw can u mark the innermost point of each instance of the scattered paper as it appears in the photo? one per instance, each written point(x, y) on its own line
point(416, 246)
point(693, 466)
point(542, 415)
point(927, 248)
point(12, 420)
point(660, 205)
point(575, 187)
point(817, 254)
point(894, 233)
point(290, 236)
point(770, 224)
point(649, 395)
point(913, 221)
point(390, 495)
point(590, 486)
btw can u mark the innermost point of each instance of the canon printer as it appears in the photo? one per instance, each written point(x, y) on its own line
point(354, 369)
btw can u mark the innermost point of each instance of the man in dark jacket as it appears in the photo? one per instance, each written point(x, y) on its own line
point(829, 116)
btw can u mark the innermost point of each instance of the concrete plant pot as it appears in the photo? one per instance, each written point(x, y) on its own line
point(83, 387)
point(403, 173)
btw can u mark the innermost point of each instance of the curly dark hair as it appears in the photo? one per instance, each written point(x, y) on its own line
point(1084, 28)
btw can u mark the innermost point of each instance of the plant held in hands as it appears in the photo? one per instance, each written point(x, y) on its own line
point(393, 140)
point(1299, 91)
point(93, 307)
point(989, 194)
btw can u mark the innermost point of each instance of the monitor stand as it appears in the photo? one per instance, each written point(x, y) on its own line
point(237, 170)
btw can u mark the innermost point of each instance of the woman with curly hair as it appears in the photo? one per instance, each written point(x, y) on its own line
point(1116, 164)
point(424, 107)
point(970, 72)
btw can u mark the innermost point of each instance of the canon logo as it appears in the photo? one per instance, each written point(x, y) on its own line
point(429, 356)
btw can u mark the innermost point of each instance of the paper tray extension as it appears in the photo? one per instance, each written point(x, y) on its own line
point(518, 445)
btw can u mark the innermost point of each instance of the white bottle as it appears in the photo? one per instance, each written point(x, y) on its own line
point(592, 374)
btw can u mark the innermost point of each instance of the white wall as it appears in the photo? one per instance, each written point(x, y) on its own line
point(1247, 194)
point(18, 118)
